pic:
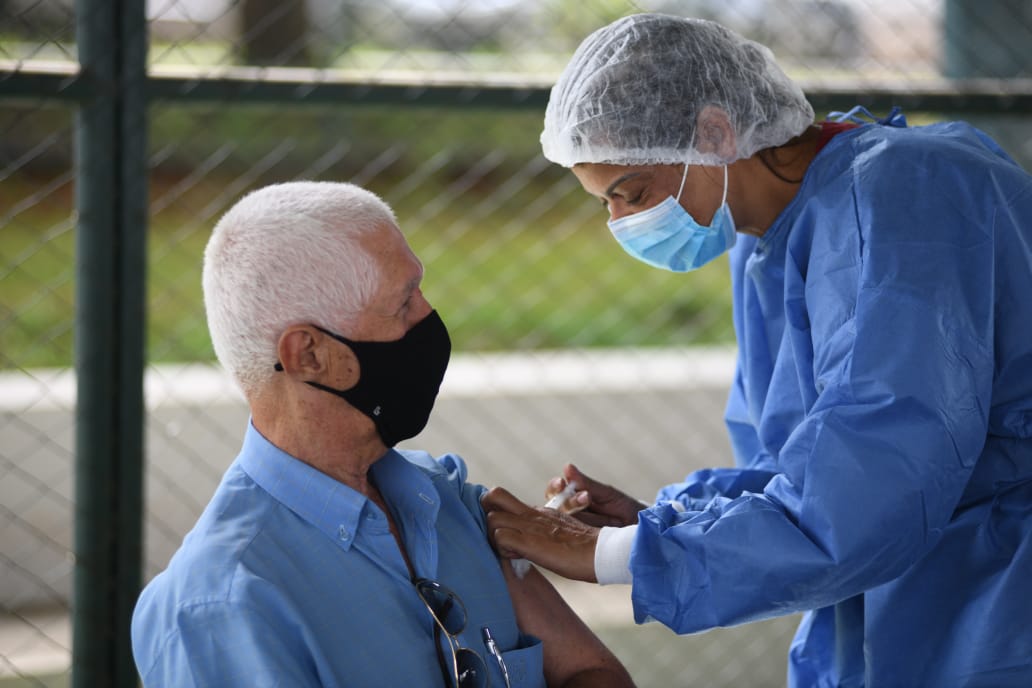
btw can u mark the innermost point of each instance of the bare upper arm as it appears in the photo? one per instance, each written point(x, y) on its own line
point(573, 654)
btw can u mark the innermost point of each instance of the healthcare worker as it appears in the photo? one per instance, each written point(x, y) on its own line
point(881, 412)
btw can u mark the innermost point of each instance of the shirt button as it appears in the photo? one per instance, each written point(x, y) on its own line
point(343, 533)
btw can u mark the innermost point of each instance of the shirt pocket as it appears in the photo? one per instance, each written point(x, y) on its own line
point(525, 664)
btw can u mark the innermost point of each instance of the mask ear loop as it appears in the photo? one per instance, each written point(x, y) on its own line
point(681, 188)
point(723, 198)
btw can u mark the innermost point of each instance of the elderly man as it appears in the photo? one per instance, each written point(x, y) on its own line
point(326, 557)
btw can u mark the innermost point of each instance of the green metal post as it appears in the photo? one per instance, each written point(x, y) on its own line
point(111, 199)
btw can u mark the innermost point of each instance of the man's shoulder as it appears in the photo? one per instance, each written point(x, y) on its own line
point(447, 466)
point(449, 475)
point(212, 554)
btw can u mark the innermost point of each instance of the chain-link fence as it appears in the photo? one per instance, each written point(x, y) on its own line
point(565, 349)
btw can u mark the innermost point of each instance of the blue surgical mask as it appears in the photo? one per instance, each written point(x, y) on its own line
point(666, 236)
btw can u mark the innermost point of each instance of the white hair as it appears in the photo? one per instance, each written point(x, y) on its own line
point(287, 254)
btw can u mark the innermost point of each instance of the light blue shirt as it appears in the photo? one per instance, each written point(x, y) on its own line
point(290, 578)
point(882, 424)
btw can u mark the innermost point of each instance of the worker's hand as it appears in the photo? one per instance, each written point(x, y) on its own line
point(594, 503)
point(546, 537)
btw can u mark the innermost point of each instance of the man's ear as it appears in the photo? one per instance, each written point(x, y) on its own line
point(714, 134)
point(313, 355)
point(298, 351)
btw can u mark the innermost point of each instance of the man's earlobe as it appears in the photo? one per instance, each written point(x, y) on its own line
point(715, 134)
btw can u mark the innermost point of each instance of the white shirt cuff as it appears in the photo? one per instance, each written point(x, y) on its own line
point(613, 554)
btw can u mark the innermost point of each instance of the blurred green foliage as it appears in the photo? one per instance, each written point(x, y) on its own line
point(517, 256)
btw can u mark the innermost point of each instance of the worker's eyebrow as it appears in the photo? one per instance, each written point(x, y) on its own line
point(619, 181)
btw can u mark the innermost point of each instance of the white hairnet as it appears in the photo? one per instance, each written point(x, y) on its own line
point(633, 91)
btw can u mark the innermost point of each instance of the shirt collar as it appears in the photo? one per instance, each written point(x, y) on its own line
point(329, 505)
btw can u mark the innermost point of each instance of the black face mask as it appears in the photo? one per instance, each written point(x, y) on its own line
point(399, 380)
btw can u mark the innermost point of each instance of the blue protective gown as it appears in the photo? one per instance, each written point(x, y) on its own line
point(881, 419)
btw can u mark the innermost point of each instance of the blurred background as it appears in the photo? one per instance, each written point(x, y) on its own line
point(565, 348)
